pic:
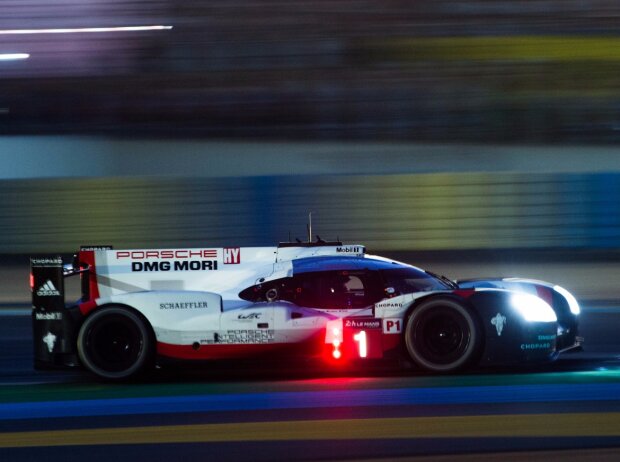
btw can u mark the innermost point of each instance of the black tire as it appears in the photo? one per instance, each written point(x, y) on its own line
point(442, 335)
point(115, 343)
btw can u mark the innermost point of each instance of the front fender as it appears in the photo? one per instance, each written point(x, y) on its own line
point(509, 337)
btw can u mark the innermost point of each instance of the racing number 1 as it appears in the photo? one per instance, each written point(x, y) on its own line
point(362, 346)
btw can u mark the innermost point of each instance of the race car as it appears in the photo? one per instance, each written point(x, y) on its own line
point(316, 300)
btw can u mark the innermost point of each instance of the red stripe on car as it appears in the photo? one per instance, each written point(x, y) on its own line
point(216, 351)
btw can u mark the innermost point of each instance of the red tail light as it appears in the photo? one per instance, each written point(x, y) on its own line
point(333, 337)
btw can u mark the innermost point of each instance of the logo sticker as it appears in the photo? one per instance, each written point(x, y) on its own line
point(48, 316)
point(50, 341)
point(389, 305)
point(348, 249)
point(499, 322)
point(232, 255)
point(249, 316)
point(362, 323)
point(392, 326)
point(183, 305)
point(47, 290)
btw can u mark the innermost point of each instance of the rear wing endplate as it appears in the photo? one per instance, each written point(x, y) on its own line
point(52, 327)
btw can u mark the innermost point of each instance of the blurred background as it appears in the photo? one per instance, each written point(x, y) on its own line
point(541, 71)
point(478, 137)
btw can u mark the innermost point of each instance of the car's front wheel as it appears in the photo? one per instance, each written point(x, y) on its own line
point(115, 343)
point(442, 335)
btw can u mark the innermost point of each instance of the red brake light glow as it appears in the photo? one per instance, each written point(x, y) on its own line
point(333, 337)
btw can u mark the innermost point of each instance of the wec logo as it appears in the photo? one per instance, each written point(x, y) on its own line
point(249, 316)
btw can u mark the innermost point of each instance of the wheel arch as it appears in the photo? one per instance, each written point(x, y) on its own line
point(112, 304)
point(151, 353)
point(466, 303)
point(448, 296)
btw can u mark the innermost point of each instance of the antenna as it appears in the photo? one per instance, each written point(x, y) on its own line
point(309, 227)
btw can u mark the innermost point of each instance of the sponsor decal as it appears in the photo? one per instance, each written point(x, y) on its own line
point(48, 316)
point(389, 305)
point(173, 260)
point(362, 323)
point(179, 254)
point(355, 249)
point(392, 326)
point(46, 261)
point(249, 316)
point(499, 321)
point(48, 290)
point(246, 336)
point(84, 248)
point(535, 346)
point(183, 305)
point(232, 255)
point(546, 337)
point(50, 341)
point(183, 265)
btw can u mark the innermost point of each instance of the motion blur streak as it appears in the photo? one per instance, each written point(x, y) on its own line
point(313, 399)
point(515, 48)
point(460, 70)
point(384, 212)
point(83, 29)
point(534, 425)
point(13, 56)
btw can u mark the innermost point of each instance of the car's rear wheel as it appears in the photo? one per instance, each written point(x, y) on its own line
point(442, 335)
point(115, 343)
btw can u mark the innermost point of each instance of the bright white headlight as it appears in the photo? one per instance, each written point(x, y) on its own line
point(532, 308)
point(572, 302)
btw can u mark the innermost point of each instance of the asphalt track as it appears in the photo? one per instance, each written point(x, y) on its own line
point(568, 410)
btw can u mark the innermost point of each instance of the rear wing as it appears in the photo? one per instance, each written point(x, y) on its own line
point(53, 325)
point(51, 328)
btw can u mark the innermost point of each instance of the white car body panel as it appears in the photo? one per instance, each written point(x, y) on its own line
point(209, 307)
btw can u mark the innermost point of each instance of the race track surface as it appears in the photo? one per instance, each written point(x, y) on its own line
point(310, 413)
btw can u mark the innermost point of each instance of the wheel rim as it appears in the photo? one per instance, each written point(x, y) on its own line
point(441, 336)
point(114, 343)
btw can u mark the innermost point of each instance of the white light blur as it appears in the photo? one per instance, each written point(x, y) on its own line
point(572, 301)
point(13, 56)
point(333, 331)
point(360, 338)
point(532, 308)
point(79, 30)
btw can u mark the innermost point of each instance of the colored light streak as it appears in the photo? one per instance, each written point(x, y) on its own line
point(13, 56)
point(79, 30)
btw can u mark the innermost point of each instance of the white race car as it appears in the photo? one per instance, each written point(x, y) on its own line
point(323, 299)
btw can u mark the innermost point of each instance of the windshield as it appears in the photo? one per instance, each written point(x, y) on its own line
point(408, 280)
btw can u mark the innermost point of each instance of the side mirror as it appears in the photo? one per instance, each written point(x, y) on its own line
point(390, 291)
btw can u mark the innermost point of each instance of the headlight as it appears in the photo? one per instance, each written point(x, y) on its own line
point(572, 302)
point(532, 308)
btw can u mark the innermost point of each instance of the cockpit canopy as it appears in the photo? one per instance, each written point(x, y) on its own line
point(343, 283)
